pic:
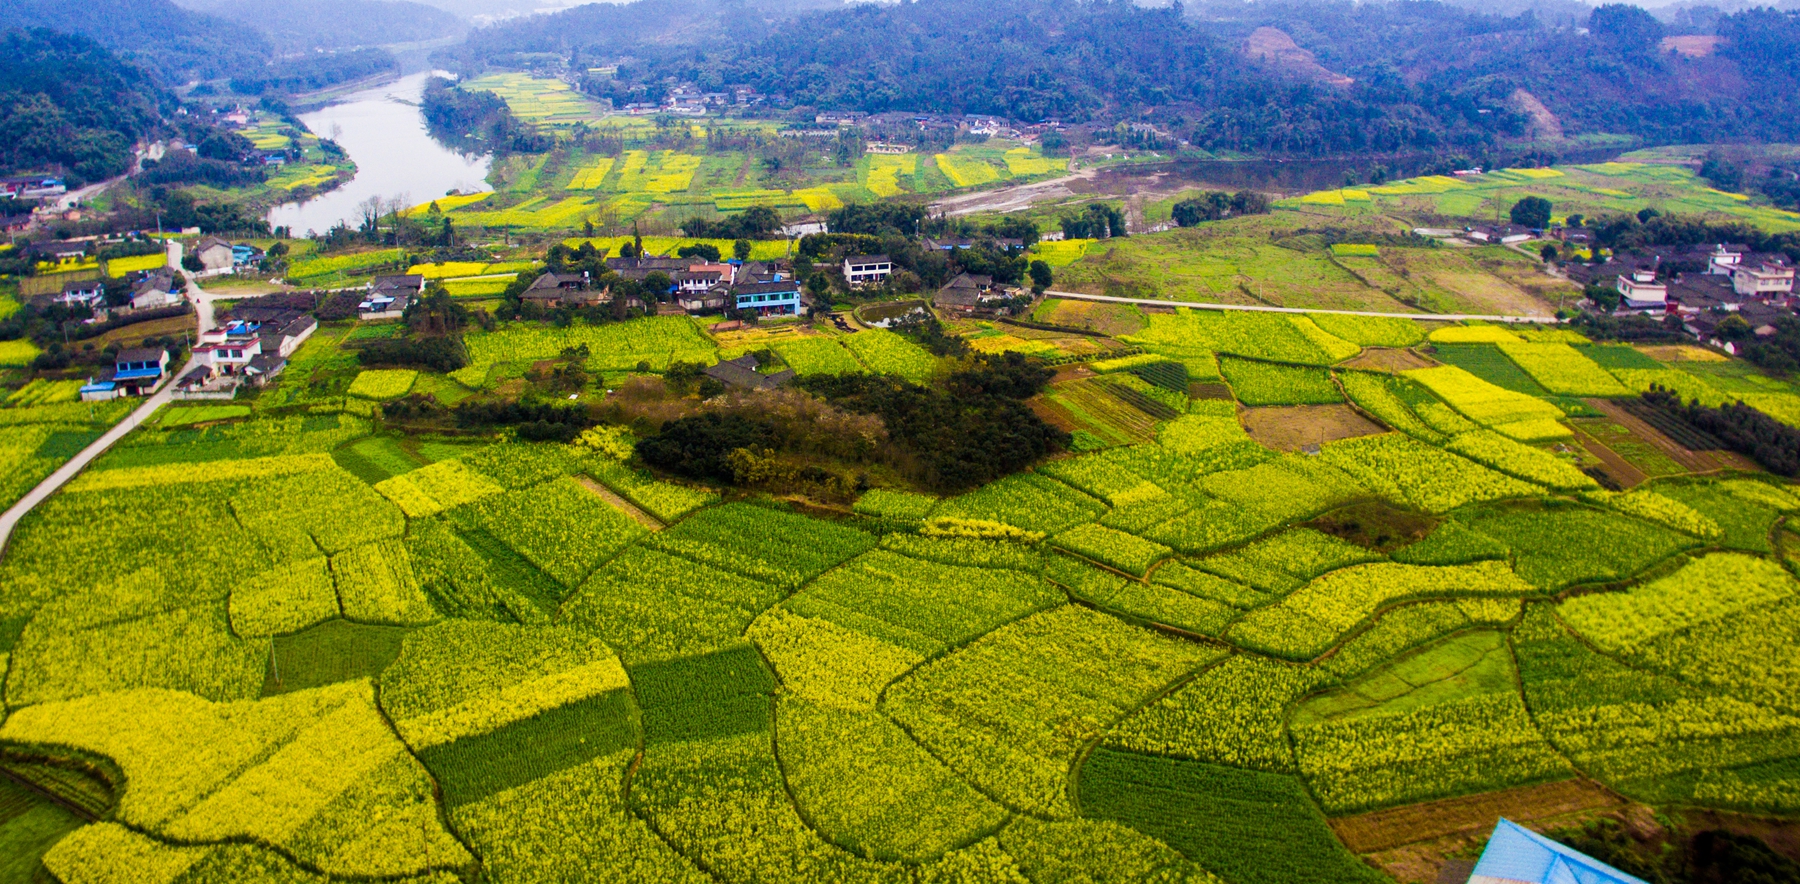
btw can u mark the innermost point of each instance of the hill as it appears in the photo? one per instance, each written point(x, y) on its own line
point(176, 43)
point(307, 25)
point(67, 100)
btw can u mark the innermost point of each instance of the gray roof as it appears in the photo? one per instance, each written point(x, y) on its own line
point(741, 372)
point(140, 354)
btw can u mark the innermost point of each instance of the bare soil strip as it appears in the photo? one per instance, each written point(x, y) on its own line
point(620, 503)
point(1386, 829)
point(1617, 467)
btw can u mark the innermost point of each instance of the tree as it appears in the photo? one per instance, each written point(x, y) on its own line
point(1532, 212)
point(1549, 253)
point(657, 285)
point(741, 250)
point(1604, 297)
point(700, 249)
point(1628, 28)
point(1040, 277)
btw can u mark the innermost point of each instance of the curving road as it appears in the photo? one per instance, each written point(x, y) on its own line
point(1258, 308)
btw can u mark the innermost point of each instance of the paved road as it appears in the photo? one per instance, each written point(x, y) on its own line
point(1258, 308)
point(62, 476)
point(10, 519)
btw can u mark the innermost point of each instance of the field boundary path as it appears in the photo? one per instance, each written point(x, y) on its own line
point(1258, 308)
point(9, 520)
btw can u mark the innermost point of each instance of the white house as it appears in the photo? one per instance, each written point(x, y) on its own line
point(1641, 291)
point(1766, 279)
point(861, 270)
point(215, 254)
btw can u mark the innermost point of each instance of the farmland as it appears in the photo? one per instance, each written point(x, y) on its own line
point(666, 173)
point(1212, 641)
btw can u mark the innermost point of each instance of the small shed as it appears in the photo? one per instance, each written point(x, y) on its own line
point(1517, 855)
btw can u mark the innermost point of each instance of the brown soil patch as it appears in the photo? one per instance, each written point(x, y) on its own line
point(1386, 829)
point(1485, 293)
point(1544, 124)
point(1390, 360)
point(1209, 390)
point(1615, 466)
point(1073, 371)
point(132, 335)
point(620, 503)
point(1690, 460)
point(1274, 46)
point(1052, 414)
point(1289, 427)
point(1693, 45)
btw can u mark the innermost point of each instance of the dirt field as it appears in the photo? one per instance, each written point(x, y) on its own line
point(1387, 829)
point(134, 334)
point(1108, 319)
point(1289, 427)
point(1416, 842)
point(1692, 461)
point(1389, 360)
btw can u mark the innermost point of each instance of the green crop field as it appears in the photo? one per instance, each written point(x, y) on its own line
point(308, 640)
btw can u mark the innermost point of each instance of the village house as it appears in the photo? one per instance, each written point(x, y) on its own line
point(158, 288)
point(83, 292)
point(1501, 234)
point(1767, 278)
point(1640, 290)
point(389, 296)
point(774, 298)
point(215, 254)
point(967, 294)
point(867, 270)
point(561, 290)
point(243, 254)
point(32, 187)
point(134, 372)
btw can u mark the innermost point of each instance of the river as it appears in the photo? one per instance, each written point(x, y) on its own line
point(384, 133)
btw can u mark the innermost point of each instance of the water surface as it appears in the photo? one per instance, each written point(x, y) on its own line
point(384, 132)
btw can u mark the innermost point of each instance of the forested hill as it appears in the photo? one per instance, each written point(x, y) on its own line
point(306, 25)
point(179, 44)
point(66, 100)
point(1423, 76)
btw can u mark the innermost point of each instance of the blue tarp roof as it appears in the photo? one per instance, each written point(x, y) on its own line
point(1519, 854)
point(136, 373)
point(99, 387)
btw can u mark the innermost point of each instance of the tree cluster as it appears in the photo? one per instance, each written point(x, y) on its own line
point(66, 101)
point(1217, 205)
point(1097, 221)
point(1746, 430)
point(756, 222)
point(973, 430)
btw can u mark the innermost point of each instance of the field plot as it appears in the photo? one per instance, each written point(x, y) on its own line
point(1212, 642)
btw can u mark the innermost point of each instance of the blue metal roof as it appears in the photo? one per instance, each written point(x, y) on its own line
point(99, 387)
point(1519, 854)
point(136, 373)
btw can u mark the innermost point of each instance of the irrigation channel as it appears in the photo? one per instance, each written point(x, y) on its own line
point(383, 131)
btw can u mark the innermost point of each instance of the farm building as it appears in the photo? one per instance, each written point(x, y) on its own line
point(157, 289)
point(1503, 234)
point(778, 298)
point(967, 293)
point(1641, 290)
point(861, 270)
point(741, 372)
point(215, 254)
point(1516, 855)
point(81, 291)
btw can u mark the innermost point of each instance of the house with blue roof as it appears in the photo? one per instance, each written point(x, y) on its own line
point(136, 372)
point(1517, 855)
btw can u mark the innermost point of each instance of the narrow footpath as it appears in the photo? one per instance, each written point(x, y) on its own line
point(10, 519)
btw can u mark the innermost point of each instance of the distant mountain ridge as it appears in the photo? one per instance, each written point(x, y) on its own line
point(308, 25)
point(180, 44)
